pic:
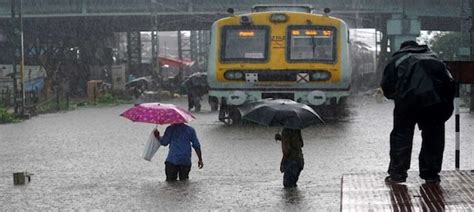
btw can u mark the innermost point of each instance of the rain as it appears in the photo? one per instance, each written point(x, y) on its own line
point(93, 80)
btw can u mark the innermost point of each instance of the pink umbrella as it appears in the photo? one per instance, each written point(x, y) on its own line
point(158, 113)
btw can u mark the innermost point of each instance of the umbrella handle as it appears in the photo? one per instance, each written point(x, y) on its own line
point(278, 132)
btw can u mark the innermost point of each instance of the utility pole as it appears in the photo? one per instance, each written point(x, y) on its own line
point(13, 44)
point(22, 62)
point(471, 32)
point(155, 50)
point(180, 54)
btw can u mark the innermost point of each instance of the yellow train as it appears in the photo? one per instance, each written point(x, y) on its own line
point(278, 51)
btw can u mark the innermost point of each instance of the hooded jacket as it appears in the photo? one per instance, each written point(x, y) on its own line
point(416, 78)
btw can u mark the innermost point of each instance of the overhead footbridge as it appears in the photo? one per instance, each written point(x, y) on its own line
point(199, 14)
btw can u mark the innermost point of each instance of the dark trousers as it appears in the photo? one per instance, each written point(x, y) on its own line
point(194, 100)
point(401, 142)
point(190, 101)
point(173, 171)
point(292, 172)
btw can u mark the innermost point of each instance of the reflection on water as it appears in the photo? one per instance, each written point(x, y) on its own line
point(292, 195)
point(91, 159)
point(400, 197)
point(168, 195)
point(430, 197)
point(433, 196)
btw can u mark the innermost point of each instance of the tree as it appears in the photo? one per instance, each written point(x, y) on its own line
point(446, 45)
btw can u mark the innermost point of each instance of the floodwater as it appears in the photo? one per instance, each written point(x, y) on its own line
point(90, 158)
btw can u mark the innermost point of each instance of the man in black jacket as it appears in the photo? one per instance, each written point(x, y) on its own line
point(423, 91)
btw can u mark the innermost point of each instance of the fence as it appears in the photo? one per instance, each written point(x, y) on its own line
point(5, 98)
point(36, 102)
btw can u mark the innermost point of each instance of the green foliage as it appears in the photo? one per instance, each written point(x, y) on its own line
point(122, 96)
point(107, 99)
point(52, 106)
point(446, 45)
point(6, 117)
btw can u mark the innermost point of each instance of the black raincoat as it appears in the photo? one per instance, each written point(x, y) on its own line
point(415, 78)
point(423, 90)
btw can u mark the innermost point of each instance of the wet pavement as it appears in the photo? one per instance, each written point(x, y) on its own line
point(90, 158)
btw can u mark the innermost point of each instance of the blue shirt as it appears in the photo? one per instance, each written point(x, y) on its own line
point(180, 137)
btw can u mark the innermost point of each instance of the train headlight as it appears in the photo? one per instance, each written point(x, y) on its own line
point(229, 75)
point(320, 76)
point(234, 75)
point(238, 75)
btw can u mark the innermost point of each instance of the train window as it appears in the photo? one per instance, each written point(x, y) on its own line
point(244, 43)
point(311, 43)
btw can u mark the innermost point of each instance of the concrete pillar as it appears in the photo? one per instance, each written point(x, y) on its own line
point(134, 50)
point(180, 54)
point(193, 42)
point(203, 49)
point(402, 28)
point(180, 46)
point(155, 49)
point(155, 53)
point(382, 41)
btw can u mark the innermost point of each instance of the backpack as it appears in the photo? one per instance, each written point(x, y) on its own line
point(425, 81)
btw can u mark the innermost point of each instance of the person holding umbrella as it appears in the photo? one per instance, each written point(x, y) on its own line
point(293, 117)
point(292, 162)
point(180, 137)
point(195, 86)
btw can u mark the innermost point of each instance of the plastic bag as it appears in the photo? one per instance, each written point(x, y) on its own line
point(151, 146)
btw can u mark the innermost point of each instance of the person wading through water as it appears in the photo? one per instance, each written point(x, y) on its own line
point(292, 162)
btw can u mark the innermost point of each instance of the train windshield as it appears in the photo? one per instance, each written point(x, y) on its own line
point(243, 43)
point(312, 43)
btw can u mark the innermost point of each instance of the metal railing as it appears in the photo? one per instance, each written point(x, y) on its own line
point(32, 8)
point(6, 98)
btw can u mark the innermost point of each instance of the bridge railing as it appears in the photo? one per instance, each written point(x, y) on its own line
point(133, 7)
point(418, 7)
point(119, 6)
point(48, 6)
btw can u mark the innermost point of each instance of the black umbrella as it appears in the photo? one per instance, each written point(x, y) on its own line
point(280, 112)
point(198, 79)
point(138, 82)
